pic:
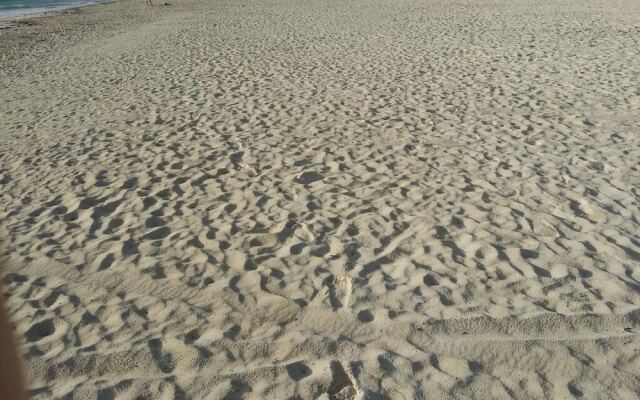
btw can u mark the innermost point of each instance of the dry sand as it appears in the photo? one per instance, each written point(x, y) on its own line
point(324, 199)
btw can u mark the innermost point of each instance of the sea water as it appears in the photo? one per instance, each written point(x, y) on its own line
point(19, 7)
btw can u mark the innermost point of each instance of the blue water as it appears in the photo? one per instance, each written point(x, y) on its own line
point(18, 7)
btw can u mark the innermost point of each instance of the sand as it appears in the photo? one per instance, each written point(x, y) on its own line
point(324, 199)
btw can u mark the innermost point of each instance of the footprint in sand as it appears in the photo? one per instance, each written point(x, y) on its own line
point(544, 229)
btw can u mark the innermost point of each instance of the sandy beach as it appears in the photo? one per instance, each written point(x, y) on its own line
point(325, 199)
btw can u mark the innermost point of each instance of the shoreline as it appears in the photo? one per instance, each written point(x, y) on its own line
point(29, 40)
point(36, 12)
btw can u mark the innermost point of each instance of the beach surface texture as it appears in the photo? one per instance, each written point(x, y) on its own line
point(324, 199)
